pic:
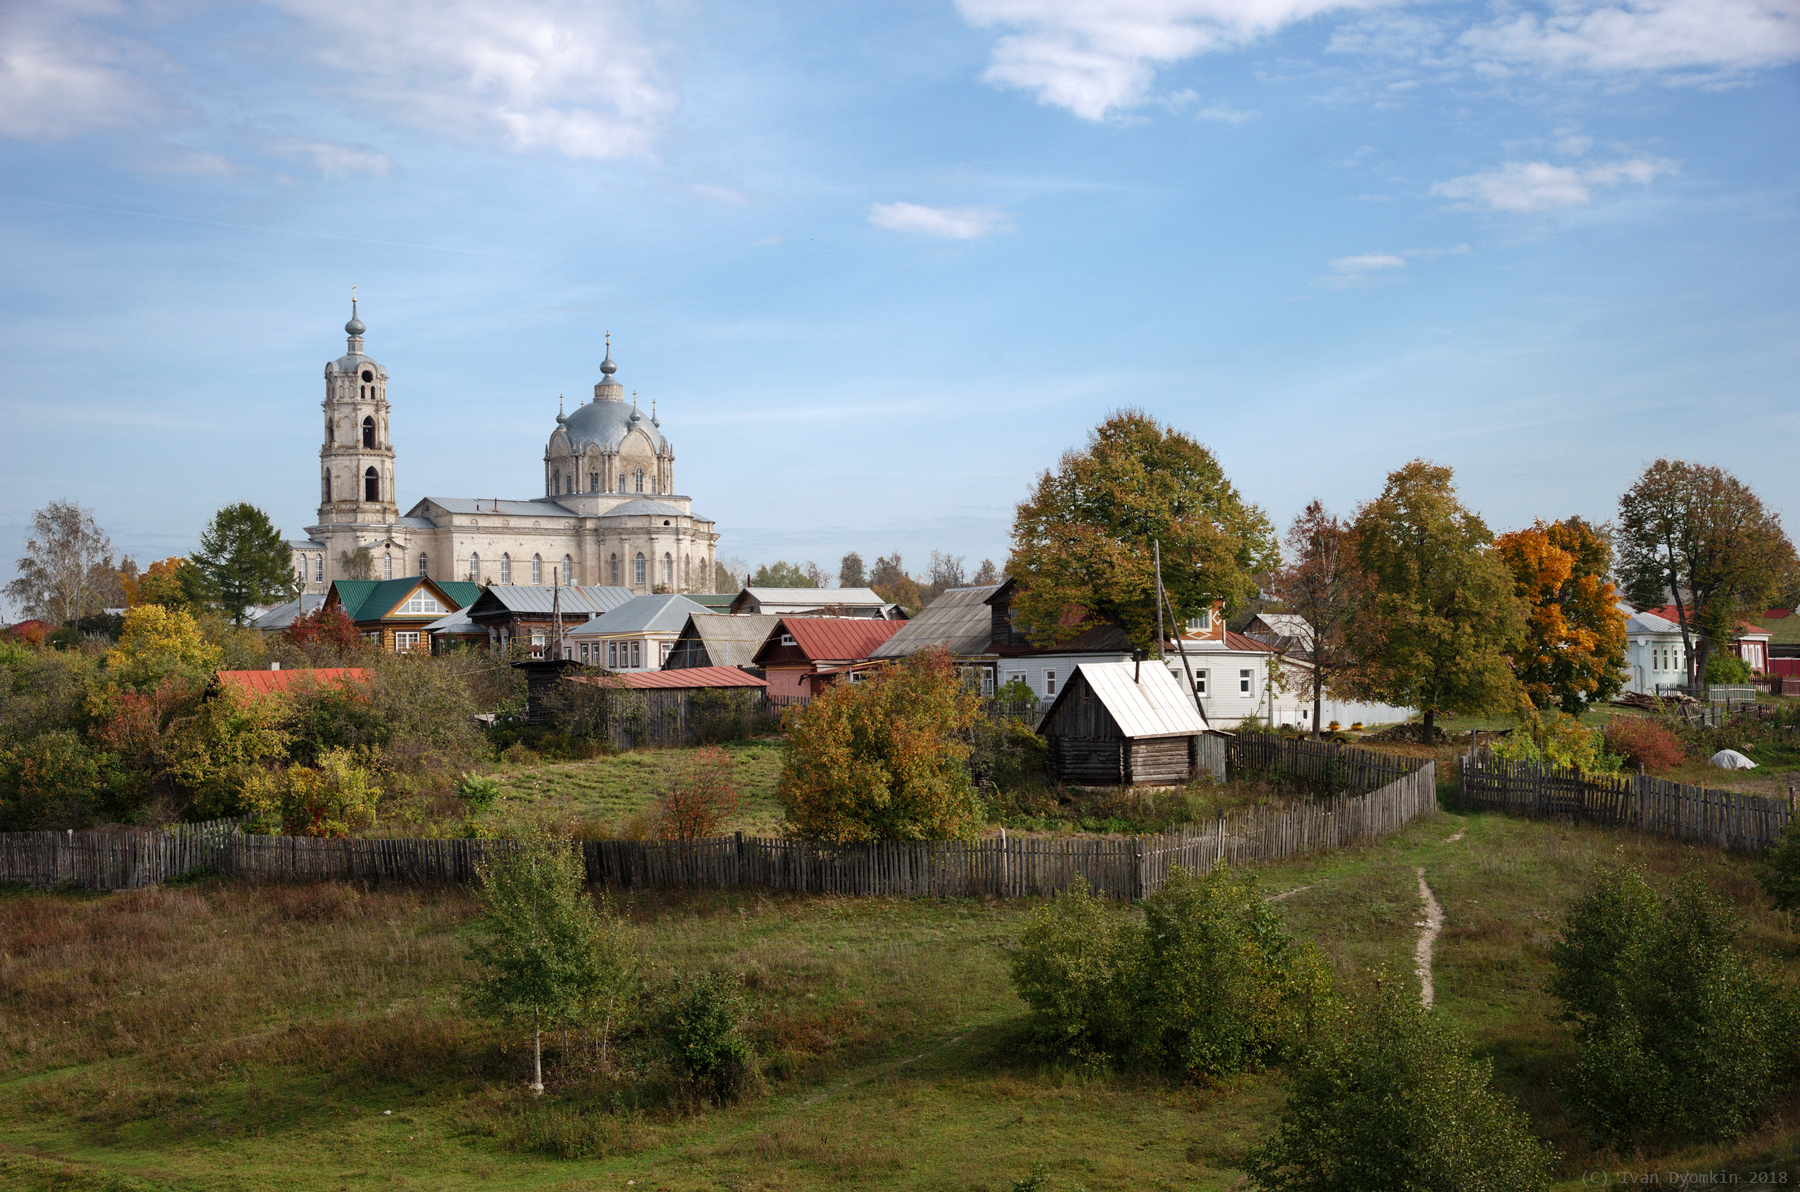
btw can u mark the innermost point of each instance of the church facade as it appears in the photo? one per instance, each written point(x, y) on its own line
point(609, 513)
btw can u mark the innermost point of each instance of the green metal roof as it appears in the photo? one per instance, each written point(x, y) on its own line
point(1783, 631)
point(370, 599)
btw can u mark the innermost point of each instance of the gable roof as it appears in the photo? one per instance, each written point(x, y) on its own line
point(1641, 623)
point(797, 600)
point(832, 639)
point(1144, 700)
point(269, 682)
point(1669, 613)
point(366, 600)
point(959, 621)
point(731, 640)
point(661, 612)
point(1782, 626)
point(283, 615)
point(535, 598)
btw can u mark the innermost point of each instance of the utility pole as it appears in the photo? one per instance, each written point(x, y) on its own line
point(1159, 600)
point(1162, 600)
point(556, 609)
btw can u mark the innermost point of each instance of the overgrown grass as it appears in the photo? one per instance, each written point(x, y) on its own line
point(226, 1035)
point(606, 794)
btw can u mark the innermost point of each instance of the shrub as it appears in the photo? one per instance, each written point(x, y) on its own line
point(334, 798)
point(1389, 1097)
point(479, 791)
point(225, 748)
point(1726, 668)
point(427, 713)
point(1007, 754)
point(1644, 742)
point(1677, 1035)
point(43, 690)
point(725, 714)
point(1075, 967)
point(699, 796)
point(321, 716)
point(158, 642)
point(884, 759)
point(595, 706)
point(704, 1030)
point(1557, 739)
point(56, 781)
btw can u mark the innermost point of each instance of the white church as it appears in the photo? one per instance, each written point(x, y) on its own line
point(609, 514)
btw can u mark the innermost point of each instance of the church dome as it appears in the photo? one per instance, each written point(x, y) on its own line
point(605, 424)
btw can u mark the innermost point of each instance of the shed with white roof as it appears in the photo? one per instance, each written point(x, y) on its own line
point(1123, 724)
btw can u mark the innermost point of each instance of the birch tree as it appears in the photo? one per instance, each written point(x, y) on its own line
point(68, 565)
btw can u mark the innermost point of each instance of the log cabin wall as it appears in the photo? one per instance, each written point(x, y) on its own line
point(1158, 761)
point(1085, 743)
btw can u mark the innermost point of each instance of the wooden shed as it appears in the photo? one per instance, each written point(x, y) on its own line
point(1123, 724)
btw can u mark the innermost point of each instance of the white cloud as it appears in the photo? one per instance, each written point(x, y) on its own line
point(1367, 261)
point(950, 223)
point(330, 159)
point(59, 77)
point(1095, 57)
point(1530, 186)
point(1225, 115)
point(556, 75)
point(1708, 36)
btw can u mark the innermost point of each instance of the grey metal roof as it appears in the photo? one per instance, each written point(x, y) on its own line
point(663, 612)
point(733, 640)
point(416, 523)
point(538, 598)
point(1650, 623)
point(959, 620)
point(1144, 701)
point(643, 508)
point(305, 544)
point(604, 423)
point(456, 623)
point(536, 507)
point(283, 615)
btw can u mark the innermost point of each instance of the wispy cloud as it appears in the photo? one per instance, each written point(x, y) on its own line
point(1225, 115)
point(331, 159)
point(1665, 36)
point(59, 77)
point(1368, 268)
point(1363, 262)
point(1525, 187)
point(949, 223)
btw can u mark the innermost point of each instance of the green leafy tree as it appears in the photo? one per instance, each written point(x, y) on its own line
point(885, 758)
point(548, 957)
point(1701, 538)
point(704, 1029)
point(1082, 541)
point(1077, 967)
point(1727, 668)
point(244, 560)
point(1389, 1098)
point(781, 574)
point(67, 568)
point(1677, 1035)
point(1441, 617)
point(56, 781)
point(851, 573)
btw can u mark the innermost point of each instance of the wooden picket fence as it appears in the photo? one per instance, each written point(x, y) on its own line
point(1746, 823)
point(1005, 866)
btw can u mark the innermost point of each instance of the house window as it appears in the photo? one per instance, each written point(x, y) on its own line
point(404, 641)
point(537, 569)
point(424, 566)
point(667, 649)
point(612, 570)
point(371, 486)
point(787, 639)
point(584, 653)
point(1200, 682)
point(474, 568)
point(668, 570)
point(593, 482)
point(568, 575)
point(537, 644)
point(612, 655)
point(987, 684)
point(506, 569)
point(637, 655)
point(621, 483)
point(1049, 682)
point(421, 603)
point(1244, 681)
point(368, 432)
point(1201, 623)
point(638, 569)
point(640, 480)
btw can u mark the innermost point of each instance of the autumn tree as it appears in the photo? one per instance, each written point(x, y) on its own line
point(1440, 616)
point(1323, 584)
point(986, 574)
point(325, 635)
point(244, 560)
point(172, 583)
point(159, 643)
point(1082, 541)
point(1574, 648)
point(851, 573)
point(781, 574)
point(884, 759)
point(67, 568)
point(888, 580)
point(1701, 538)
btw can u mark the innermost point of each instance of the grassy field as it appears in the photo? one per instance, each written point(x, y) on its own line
point(223, 1036)
point(607, 793)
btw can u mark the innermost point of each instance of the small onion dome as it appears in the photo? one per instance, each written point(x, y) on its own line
point(355, 325)
point(607, 366)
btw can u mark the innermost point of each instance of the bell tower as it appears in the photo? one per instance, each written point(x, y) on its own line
point(356, 461)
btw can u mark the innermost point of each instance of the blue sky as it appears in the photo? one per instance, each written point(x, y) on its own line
point(878, 266)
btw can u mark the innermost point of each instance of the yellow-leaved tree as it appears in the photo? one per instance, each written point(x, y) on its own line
point(1574, 649)
point(157, 643)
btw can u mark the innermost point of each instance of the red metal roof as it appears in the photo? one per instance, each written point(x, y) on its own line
point(1745, 628)
point(268, 682)
point(1237, 641)
point(693, 676)
point(834, 639)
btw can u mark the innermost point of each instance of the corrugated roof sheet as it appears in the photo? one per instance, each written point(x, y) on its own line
point(838, 639)
point(533, 598)
point(268, 682)
point(1782, 626)
point(1668, 613)
point(1146, 701)
point(693, 676)
point(283, 615)
point(661, 612)
point(457, 623)
point(959, 621)
point(733, 640)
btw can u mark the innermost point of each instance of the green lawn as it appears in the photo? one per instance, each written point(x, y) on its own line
point(605, 794)
point(224, 1036)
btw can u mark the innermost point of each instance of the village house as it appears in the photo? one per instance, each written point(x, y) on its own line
point(278, 681)
point(1044, 669)
point(395, 612)
point(636, 636)
point(959, 622)
point(283, 615)
point(815, 602)
point(534, 615)
point(800, 649)
point(717, 639)
point(1123, 724)
point(1649, 647)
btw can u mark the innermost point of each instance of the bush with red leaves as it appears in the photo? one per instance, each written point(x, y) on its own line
point(700, 797)
point(1644, 742)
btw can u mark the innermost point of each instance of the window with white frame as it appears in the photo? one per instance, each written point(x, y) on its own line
point(612, 655)
point(1201, 623)
point(667, 649)
point(537, 569)
point(506, 569)
point(538, 641)
point(1199, 682)
point(405, 640)
point(1049, 682)
point(1244, 680)
point(387, 566)
point(638, 569)
point(787, 639)
point(637, 655)
point(568, 571)
point(319, 569)
point(424, 564)
point(474, 568)
point(421, 602)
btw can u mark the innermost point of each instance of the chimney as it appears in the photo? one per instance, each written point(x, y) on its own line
point(1137, 666)
point(274, 666)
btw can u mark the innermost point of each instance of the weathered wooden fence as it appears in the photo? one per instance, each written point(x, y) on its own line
point(1003, 866)
point(664, 718)
point(1748, 823)
point(1322, 764)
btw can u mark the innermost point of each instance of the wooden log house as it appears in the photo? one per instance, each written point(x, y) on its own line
point(1123, 724)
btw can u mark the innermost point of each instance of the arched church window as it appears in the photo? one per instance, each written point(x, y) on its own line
point(612, 570)
point(638, 569)
point(474, 567)
point(330, 431)
point(387, 566)
point(506, 569)
point(593, 482)
point(537, 569)
point(621, 482)
point(668, 570)
point(318, 569)
point(371, 486)
point(640, 480)
point(568, 571)
point(555, 482)
point(325, 492)
point(424, 565)
point(368, 432)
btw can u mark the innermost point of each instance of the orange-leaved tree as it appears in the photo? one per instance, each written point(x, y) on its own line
point(1574, 649)
point(884, 758)
point(699, 796)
